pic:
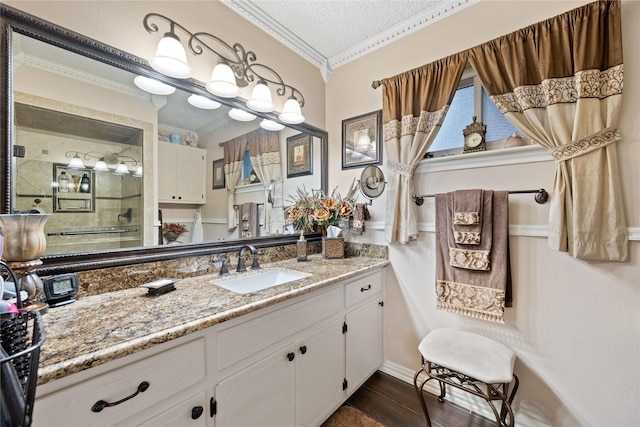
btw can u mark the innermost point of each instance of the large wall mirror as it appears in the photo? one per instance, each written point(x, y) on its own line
point(66, 96)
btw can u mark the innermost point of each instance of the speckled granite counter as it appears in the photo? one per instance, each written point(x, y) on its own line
point(100, 328)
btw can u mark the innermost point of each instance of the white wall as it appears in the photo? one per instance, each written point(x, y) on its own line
point(575, 325)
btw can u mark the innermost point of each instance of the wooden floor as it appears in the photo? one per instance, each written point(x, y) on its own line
point(394, 403)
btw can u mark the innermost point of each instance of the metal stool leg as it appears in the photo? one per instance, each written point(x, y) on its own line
point(418, 389)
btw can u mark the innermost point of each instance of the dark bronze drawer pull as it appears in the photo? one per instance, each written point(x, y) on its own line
point(365, 289)
point(101, 404)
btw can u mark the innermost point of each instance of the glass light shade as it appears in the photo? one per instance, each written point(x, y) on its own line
point(291, 112)
point(23, 236)
point(356, 155)
point(199, 101)
point(241, 115)
point(76, 163)
point(100, 166)
point(153, 86)
point(271, 125)
point(138, 172)
point(223, 82)
point(171, 58)
point(121, 169)
point(261, 99)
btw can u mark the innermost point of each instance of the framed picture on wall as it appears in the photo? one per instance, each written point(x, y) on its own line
point(362, 140)
point(299, 155)
point(218, 174)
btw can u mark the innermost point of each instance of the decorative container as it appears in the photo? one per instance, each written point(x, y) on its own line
point(301, 249)
point(24, 238)
point(332, 247)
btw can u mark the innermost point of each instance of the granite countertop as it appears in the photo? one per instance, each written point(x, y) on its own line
point(100, 328)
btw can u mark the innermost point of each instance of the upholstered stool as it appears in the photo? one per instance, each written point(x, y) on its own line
point(473, 363)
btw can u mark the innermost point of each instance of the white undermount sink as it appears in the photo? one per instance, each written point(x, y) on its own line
point(253, 281)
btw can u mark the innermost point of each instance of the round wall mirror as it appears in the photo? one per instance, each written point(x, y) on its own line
point(372, 182)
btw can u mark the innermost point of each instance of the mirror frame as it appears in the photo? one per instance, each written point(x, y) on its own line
point(13, 20)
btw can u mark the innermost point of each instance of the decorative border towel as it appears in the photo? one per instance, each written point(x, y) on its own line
point(481, 294)
point(360, 214)
point(248, 220)
point(467, 216)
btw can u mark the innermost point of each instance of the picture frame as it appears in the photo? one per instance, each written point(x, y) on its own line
point(218, 174)
point(299, 155)
point(362, 140)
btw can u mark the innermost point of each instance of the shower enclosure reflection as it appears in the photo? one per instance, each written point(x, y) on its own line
point(94, 206)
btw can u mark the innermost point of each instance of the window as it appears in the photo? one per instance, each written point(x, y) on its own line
point(470, 100)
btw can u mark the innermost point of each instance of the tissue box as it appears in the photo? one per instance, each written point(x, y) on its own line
point(333, 247)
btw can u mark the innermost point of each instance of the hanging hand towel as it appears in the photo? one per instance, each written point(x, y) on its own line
point(196, 229)
point(479, 293)
point(467, 216)
point(360, 215)
point(248, 222)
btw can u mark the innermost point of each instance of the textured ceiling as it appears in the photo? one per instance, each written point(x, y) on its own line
point(330, 33)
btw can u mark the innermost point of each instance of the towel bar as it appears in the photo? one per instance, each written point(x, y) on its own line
point(541, 196)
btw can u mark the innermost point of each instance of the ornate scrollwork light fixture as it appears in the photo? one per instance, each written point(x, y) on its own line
point(104, 159)
point(236, 66)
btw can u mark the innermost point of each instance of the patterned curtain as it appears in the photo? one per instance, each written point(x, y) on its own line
point(264, 151)
point(233, 154)
point(560, 83)
point(414, 106)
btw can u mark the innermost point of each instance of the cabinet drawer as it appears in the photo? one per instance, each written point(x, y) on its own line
point(167, 373)
point(241, 341)
point(362, 288)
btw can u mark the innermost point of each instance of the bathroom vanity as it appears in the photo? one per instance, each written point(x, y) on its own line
point(201, 355)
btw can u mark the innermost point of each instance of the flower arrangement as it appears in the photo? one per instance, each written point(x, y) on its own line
point(171, 231)
point(317, 209)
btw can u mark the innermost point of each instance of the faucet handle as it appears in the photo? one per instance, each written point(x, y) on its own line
point(224, 271)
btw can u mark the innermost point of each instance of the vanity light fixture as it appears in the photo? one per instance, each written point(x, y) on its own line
point(241, 115)
point(138, 172)
point(271, 125)
point(363, 144)
point(236, 67)
point(153, 86)
point(104, 159)
point(200, 101)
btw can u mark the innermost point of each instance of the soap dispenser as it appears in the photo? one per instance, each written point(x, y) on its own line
point(85, 184)
point(63, 182)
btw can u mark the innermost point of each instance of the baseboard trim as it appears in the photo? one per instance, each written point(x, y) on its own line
point(455, 396)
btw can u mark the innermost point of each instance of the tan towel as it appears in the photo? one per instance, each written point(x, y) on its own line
point(475, 293)
point(467, 216)
point(248, 220)
point(360, 215)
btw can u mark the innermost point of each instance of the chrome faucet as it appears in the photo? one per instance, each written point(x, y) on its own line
point(241, 265)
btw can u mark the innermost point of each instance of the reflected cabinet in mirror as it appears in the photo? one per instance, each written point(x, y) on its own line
point(112, 163)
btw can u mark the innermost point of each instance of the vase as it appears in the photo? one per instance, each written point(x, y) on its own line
point(24, 238)
point(171, 236)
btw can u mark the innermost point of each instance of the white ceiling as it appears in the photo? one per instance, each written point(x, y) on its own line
point(330, 33)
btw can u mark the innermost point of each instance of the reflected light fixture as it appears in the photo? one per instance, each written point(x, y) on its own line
point(200, 101)
point(236, 67)
point(363, 144)
point(153, 86)
point(138, 172)
point(271, 125)
point(241, 115)
point(104, 159)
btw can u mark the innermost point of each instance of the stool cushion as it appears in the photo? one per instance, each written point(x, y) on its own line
point(473, 355)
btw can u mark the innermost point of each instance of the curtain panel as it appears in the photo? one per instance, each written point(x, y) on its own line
point(560, 83)
point(264, 151)
point(233, 154)
point(414, 106)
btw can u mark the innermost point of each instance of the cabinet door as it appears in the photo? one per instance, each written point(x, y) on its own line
point(319, 374)
point(166, 172)
point(190, 174)
point(363, 343)
point(261, 395)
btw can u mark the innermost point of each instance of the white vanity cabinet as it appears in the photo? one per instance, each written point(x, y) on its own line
point(290, 364)
point(182, 174)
